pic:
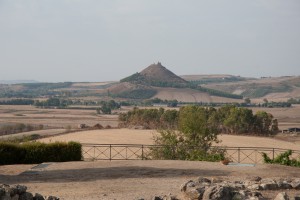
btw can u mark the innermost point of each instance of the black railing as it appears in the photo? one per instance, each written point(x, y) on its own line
point(141, 152)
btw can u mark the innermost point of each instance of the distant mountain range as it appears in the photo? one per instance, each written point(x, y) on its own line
point(17, 81)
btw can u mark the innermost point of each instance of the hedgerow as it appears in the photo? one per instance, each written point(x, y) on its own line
point(36, 152)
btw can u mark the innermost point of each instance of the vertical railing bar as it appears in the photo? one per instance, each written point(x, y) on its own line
point(238, 155)
point(110, 152)
point(142, 152)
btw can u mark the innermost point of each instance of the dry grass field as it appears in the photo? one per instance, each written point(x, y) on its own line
point(190, 95)
point(53, 118)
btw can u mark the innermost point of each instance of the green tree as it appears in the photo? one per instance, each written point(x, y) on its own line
point(193, 139)
point(105, 109)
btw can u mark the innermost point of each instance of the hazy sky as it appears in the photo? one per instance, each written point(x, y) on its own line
point(101, 40)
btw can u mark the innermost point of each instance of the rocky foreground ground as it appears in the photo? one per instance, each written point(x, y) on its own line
point(148, 180)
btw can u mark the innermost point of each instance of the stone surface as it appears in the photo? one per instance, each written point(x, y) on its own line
point(284, 185)
point(21, 189)
point(18, 192)
point(38, 196)
point(296, 184)
point(195, 193)
point(26, 196)
point(282, 196)
point(51, 198)
point(218, 193)
point(268, 184)
point(184, 185)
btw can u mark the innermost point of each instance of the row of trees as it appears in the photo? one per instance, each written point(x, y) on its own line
point(17, 102)
point(18, 128)
point(228, 119)
point(188, 134)
point(52, 102)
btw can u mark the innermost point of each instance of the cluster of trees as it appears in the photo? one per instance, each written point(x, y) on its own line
point(169, 103)
point(228, 119)
point(107, 107)
point(52, 102)
point(149, 118)
point(188, 134)
point(17, 102)
point(18, 128)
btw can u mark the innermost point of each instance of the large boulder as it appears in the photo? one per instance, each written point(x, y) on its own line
point(268, 184)
point(296, 184)
point(218, 192)
point(282, 196)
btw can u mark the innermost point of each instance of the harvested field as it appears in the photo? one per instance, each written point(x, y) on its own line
point(131, 136)
point(54, 118)
point(190, 95)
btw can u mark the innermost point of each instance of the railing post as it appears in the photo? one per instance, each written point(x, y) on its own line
point(94, 153)
point(110, 152)
point(142, 152)
point(273, 153)
point(239, 155)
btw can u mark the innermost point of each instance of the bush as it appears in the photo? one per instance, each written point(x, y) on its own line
point(282, 159)
point(36, 152)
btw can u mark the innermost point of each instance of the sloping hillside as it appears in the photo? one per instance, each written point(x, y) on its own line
point(158, 77)
point(274, 88)
point(157, 72)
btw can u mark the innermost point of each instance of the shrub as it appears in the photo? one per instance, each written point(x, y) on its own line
point(282, 159)
point(36, 152)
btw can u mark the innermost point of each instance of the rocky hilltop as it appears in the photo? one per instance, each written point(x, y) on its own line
point(157, 72)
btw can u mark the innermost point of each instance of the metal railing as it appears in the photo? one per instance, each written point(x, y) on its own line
point(141, 152)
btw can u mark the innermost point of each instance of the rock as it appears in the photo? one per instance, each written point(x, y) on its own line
point(216, 180)
point(6, 196)
point(218, 193)
point(157, 198)
point(255, 187)
point(184, 186)
point(51, 198)
point(284, 185)
point(296, 197)
point(282, 196)
point(255, 178)
point(268, 184)
point(247, 194)
point(20, 189)
point(15, 197)
point(26, 196)
point(195, 193)
point(238, 196)
point(38, 196)
point(2, 191)
point(204, 181)
point(296, 184)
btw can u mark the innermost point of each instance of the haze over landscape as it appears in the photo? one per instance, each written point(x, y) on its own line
point(61, 40)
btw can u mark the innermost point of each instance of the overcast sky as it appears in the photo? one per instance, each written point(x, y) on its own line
point(97, 40)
